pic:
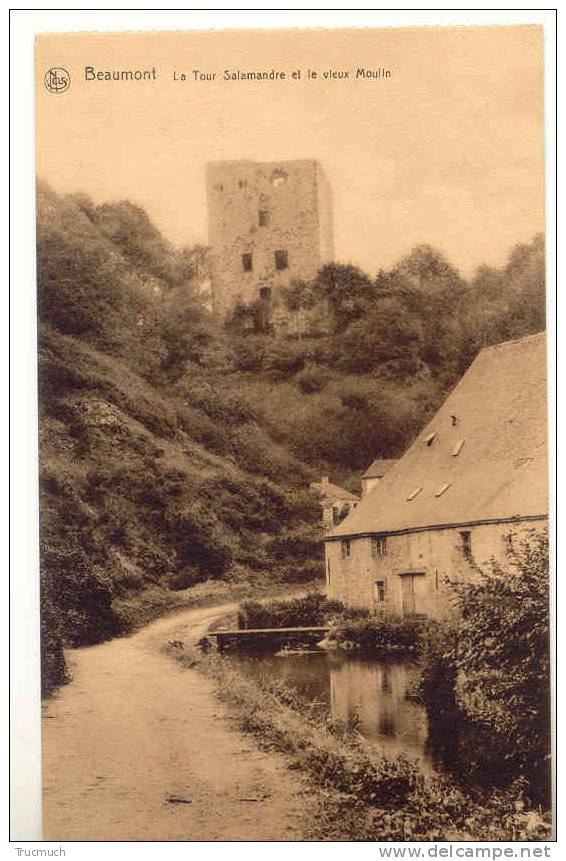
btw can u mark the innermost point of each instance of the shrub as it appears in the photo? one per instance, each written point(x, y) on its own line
point(53, 667)
point(375, 633)
point(308, 611)
point(284, 355)
point(313, 378)
point(502, 652)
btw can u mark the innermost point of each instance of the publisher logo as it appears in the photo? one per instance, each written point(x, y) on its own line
point(57, 80)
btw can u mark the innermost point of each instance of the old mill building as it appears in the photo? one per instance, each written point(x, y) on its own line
point(475, 478)
point(269, 223)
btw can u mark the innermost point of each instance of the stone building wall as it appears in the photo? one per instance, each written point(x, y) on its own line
point(258, 209)
point(426, 558)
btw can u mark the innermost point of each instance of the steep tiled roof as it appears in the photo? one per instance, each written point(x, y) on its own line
point(378, 468)
point(481, 458)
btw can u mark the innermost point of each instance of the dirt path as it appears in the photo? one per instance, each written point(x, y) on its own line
point(134, 729)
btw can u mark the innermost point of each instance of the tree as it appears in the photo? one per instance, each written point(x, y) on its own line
point(426, 268)
point(388, 332)
point(348, 290)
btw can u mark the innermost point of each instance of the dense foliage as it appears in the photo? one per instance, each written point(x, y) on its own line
point(502, 654)
point(486, 674)
point(361, 385)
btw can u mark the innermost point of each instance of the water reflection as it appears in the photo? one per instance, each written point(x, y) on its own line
point(373, 693)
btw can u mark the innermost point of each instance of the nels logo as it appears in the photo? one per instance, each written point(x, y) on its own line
point(57, 80)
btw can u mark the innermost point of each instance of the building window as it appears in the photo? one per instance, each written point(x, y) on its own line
point(379, 546)
point(466, 539)
point(379, 591)
point(263, 217)
point(247, 262)
point(346, 549)
point(281, 261)
point(242, 183)
point(265, 293)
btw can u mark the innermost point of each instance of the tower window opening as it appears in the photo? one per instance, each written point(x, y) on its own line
point(281, 260)
point(346, 549)
point(265, 293)
point(278, 177)
point(247, 262)
point(263, 217)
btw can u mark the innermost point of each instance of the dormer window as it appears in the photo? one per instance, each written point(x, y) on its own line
point(414, 493)
point(430, 438)
point(443, 488)
point(457, 448)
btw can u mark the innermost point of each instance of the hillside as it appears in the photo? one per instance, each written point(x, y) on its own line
point(175, 451)
point(392, 349)
point(147, 483)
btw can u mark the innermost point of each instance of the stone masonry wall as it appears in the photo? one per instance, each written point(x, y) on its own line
point(434, 556)
point(260, 208)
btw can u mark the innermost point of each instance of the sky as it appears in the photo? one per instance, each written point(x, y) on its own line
point(447, 151)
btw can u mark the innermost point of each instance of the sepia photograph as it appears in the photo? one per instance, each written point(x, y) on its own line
point(293, 435)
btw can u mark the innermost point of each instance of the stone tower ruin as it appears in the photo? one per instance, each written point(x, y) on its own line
point(269, 223)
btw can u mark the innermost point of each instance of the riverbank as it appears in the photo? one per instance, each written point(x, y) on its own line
point(365, 795)
point(138, 747)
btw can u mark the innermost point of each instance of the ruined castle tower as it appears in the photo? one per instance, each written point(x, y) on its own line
point(269, 223)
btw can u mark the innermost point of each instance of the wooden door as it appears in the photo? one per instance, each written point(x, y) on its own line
point(408, 594)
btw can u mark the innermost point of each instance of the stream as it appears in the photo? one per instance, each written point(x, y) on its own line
point(375, 694)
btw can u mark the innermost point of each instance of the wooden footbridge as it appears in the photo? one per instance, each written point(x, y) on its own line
point(263, 639)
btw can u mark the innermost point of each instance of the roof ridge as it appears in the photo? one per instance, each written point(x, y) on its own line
point(515, 341)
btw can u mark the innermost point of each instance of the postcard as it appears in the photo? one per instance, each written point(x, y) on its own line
point(293, 438)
